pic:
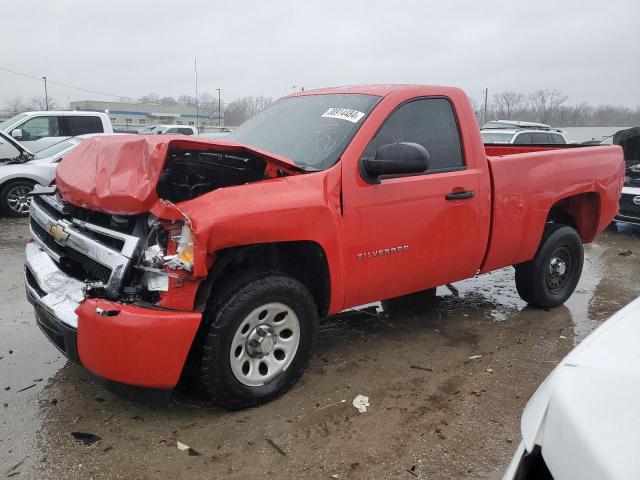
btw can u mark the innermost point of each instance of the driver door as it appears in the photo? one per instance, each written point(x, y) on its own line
point(409, 232)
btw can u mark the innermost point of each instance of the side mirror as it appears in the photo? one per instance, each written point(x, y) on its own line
point(394, 159)
point(16, 133)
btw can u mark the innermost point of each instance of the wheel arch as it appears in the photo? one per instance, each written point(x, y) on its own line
point(581, 211)
point(19, 177)
point(304, 260)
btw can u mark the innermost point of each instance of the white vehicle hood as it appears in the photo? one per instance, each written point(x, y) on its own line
point(586, 414)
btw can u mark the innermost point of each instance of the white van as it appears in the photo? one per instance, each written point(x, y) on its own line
point(38, 130)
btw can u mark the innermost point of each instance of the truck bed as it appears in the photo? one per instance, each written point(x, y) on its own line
point(501, 149)
point(528, 181)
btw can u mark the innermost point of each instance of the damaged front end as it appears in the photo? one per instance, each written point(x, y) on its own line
point(101, 287)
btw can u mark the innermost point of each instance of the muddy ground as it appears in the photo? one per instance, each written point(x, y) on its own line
point(434, 413)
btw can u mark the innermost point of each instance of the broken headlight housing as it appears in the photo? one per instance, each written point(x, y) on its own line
point(168, 253)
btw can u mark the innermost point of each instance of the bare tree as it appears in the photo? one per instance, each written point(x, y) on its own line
point(39, 103)
point(257, 104)
point(244, 108)
point(149, 98)
point(167, 101)
point(546, 102)
point(508, 103)
point(208, 105)
point(16, 105)
point(187, 100)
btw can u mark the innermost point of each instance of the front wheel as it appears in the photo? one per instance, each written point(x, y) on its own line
point(551, 277)
point(14, 198)
point(261, 331)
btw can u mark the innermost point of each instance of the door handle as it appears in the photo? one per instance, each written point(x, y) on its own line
point(460, 195)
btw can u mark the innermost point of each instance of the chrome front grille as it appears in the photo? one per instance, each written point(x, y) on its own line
point(91, 252)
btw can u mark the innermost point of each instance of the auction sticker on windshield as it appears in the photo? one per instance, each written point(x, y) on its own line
point(347, 114)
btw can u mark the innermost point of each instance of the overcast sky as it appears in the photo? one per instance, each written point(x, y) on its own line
point(588, 49)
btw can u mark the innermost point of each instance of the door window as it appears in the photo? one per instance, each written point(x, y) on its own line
point(429, 122)
point(523, 139)
point(541, 138)
point(81, 125)
point(40, 127)
point(558, 139)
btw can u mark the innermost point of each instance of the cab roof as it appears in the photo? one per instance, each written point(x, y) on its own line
point(380, 90)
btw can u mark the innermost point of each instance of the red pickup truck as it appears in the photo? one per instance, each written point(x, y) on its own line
point(163, 256)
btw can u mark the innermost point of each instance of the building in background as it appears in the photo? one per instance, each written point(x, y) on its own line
point(135, 116)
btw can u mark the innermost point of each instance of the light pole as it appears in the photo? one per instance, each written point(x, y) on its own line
point(46, 96)
point(219, 119)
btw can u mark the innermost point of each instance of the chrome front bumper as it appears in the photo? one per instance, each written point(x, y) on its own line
point(50, 289)
point(54, 232)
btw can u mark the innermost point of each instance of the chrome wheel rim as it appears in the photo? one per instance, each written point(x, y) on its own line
point(559, 269)
point(264, 344)
point(19, 200)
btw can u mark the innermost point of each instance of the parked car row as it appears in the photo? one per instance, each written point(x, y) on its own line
point(33, 143)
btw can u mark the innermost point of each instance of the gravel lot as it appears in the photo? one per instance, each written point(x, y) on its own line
point(434, 412)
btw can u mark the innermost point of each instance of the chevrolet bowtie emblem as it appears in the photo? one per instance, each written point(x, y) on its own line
point(57, 231)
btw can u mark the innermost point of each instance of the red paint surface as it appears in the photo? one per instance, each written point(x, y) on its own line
point(138, 346)
point(494, 150)
point(447, 240)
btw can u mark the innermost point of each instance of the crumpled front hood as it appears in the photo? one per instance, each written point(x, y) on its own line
point(584, 415)
point(119, 174)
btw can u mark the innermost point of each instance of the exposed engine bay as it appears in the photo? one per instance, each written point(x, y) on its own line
point(191, 173)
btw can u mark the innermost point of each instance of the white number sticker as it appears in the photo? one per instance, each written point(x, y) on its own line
point(347, 114)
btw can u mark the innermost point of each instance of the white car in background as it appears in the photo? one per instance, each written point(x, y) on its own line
point(20, 170)
point(583, 422)
point(38, 130)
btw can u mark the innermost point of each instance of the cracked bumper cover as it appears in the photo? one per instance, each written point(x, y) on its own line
point(130, 345)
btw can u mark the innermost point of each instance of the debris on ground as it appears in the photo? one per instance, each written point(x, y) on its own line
point(417, 367)
point(12, 471)
point(361, 403)
point(184, 447)
point(475, 357)
point(275, 446)
point(331, 404)
point(86, 438)
point(625, 253)
point(489, 370)
point(412, 470)
point(27, 388)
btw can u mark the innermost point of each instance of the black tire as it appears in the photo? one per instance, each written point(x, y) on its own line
point(411, 303)
point(537, 283)
point(226, 312)
point(11, 188)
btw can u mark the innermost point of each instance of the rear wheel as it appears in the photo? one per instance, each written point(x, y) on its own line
point(260, 334)
point(14, 198)
point(551, 277)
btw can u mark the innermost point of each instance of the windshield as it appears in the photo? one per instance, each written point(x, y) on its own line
point(496, 137)
point(57, 148)
point(312, 131)
point(7, 123)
